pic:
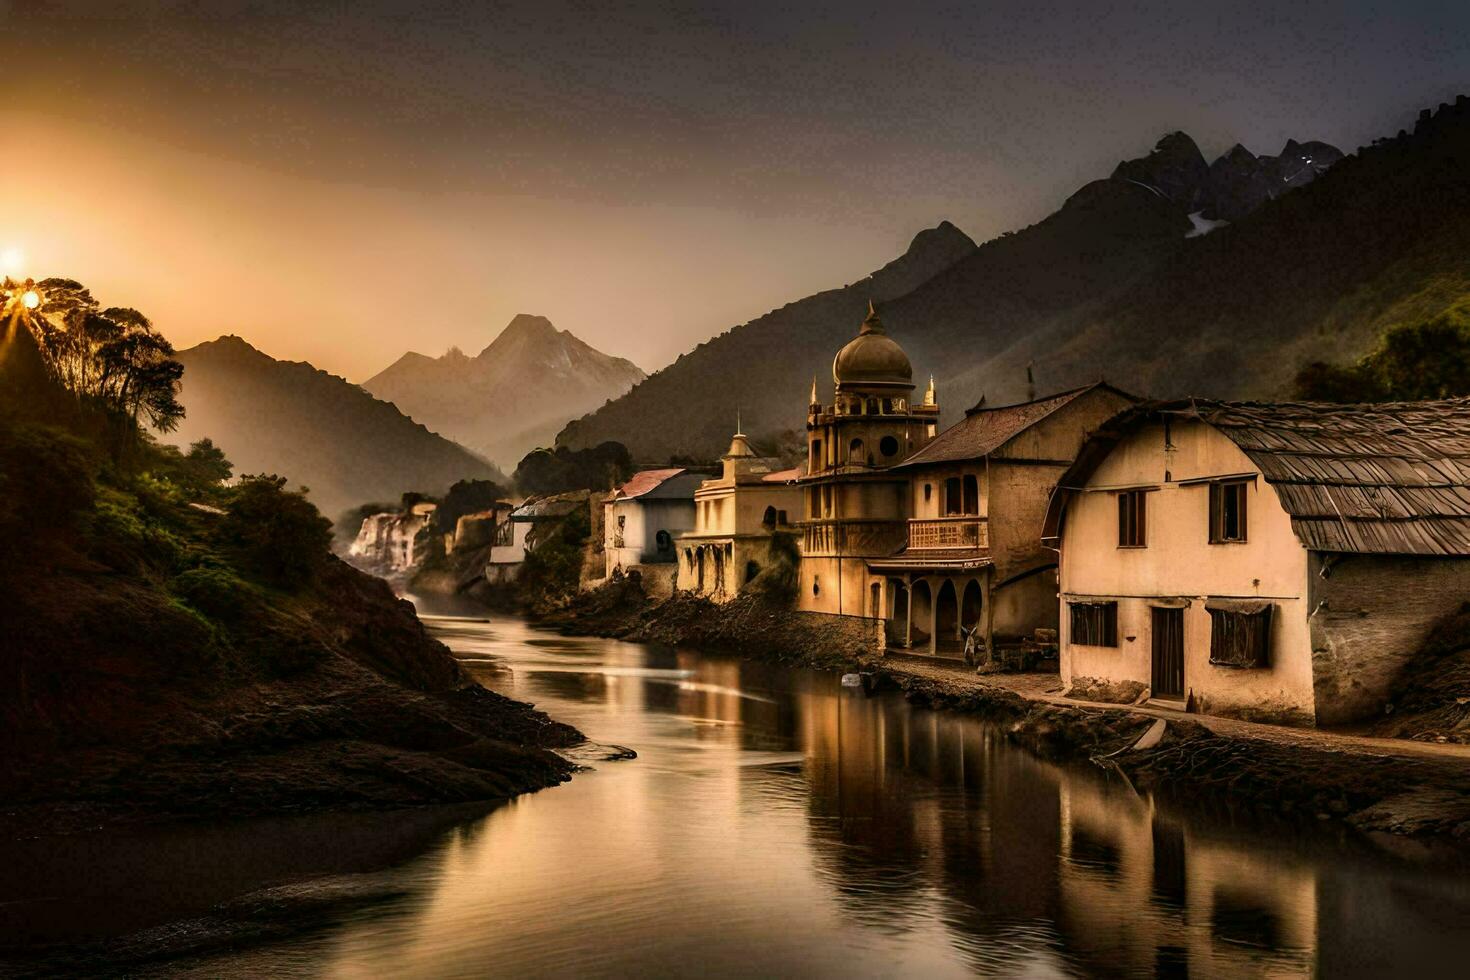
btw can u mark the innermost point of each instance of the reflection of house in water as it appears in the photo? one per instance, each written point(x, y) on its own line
point(737, 517)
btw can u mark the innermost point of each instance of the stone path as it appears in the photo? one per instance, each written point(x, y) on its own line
point(1048, 687)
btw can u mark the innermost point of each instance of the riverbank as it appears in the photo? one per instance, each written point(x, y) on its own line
point(1372, 785)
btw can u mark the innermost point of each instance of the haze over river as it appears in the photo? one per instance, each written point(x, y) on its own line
point(772, 824)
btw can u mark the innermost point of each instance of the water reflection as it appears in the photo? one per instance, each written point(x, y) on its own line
point(775, 824)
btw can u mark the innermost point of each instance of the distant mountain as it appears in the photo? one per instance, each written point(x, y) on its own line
point(762, 369)
point(1172, 276)
point(1319, 273)
point(320, 431)
point(514, 395)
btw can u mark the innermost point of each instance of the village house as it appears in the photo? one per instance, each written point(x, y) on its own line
point(1279, 562)
point(972, 563)
point(642, 518)
point(855, 506)
point(526, 527)
point(737, 518)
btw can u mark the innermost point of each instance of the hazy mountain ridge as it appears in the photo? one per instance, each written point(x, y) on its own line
point(319, 430)
point(1119, 282)
point(762, 368)
point(511, 397)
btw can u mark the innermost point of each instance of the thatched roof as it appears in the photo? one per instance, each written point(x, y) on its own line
point(1391, 478)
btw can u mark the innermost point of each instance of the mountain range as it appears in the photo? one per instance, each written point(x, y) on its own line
point(514, 395)
point(317, 429)
point(1170, 276)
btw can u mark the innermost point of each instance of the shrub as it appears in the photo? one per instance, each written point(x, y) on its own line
point(278, 533)
point(217, 592)
point(46, 482)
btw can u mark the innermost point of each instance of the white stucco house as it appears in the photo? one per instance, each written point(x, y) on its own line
point(1279, 562)
point(644, 517)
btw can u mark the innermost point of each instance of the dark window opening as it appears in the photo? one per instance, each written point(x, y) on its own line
point(1095, 624)
point(1132, 519)
point(928, 492)
point(816, 454)
point(752, 569)
point(781, 517)
point(972, 495)
point(1240, 638)
point(952, 496)
point(1227, 512)
point(888, 446)
point(872, 406)
point(855, 451)
point(769, 518)
point(816, 585)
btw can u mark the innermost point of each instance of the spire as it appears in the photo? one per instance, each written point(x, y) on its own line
point(873, 323)
point(930, 398)
point(738, 430)
point(813, 400)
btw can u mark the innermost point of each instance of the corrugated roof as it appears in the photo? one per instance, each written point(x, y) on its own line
point(1391, 478)
point(984, 430)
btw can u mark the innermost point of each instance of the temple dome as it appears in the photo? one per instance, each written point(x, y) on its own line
point(872, 358)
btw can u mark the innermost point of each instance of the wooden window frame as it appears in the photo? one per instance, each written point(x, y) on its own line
point(1240, 640)
point(1133, 518)
point(1218, 491)
point(1104, 630)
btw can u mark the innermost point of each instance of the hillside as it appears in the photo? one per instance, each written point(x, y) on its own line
point(514, 395)
point(320, 431)
point(966, 314)
point(763, 368)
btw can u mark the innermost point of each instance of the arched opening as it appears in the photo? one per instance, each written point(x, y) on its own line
point(972, 495)
point(816, 585)
point(953, 497)
point(898, 611)
point(769, 517)
point(970, 602)
point(946, 617)
point(664, 542)
point(855, 451)
point(923, 613)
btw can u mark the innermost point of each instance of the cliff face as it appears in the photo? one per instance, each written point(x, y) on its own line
point(314, 428)
point(514, 395)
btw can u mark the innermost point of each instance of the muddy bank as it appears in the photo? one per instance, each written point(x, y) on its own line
point(126, 708)
point(1420, 797)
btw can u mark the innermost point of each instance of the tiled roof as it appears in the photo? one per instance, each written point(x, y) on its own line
point(782, 476)
point(659, 485)
point(984, 430)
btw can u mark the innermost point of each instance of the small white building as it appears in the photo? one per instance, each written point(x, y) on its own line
point(526, 526)
point(643, 517)
point(738, 516)
point(1276, 562)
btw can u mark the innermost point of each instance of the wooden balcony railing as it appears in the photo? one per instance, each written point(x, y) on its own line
point(949, 532)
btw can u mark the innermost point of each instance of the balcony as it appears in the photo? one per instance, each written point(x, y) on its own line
point(949, 533)
point(851, 537)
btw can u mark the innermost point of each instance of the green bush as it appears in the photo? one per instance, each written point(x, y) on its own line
point(217, 592)
point(46, 482)
point(277, 533)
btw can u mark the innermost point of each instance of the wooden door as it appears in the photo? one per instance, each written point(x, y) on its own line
point(1168, 644)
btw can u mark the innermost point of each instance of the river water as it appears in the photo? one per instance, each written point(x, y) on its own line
point(772, 824)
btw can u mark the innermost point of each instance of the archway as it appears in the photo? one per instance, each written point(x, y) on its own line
point(923, 614)
point(970, 602)
point(946, 616)
point(898, 611)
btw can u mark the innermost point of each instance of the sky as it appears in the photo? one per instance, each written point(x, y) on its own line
point(342, 182)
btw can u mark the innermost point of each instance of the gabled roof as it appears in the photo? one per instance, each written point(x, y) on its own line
point(1390, 478)
point(662, 484)
point(550, 507)
point(984, 430)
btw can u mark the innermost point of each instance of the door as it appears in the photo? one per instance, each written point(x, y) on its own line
point(1168, 641)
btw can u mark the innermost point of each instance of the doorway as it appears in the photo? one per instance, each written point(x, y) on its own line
point(1168, 651)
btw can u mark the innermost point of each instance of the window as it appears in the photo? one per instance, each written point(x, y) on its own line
point(888, 446)
point(952, 496)
point(972, 495)
point(855, 451)
point(781, 518)
point(928, 492)
point(1227, 512)
point(1132, 519)
point(872, 406)
point(1240, 633)
point(816, 585)
point(1094, 624)
point(769, 518)
point(664, 542)
point(816, 454)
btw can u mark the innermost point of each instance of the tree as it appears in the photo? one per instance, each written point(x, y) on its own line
point(1412, 362)
point(207, 463)
point(466, 497)
point(558, 470)
point(278, 532)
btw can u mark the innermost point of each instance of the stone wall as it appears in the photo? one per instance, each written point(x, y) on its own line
point(1371, 614)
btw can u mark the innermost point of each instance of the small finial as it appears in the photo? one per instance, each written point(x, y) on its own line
point(814, 391)
point(738, 431)
point(873, 323)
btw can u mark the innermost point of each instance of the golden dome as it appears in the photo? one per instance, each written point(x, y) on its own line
point(872, 358)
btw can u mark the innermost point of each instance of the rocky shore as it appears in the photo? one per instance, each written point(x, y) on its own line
point(1237, 766)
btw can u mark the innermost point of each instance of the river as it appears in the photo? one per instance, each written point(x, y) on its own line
point(772, 824)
